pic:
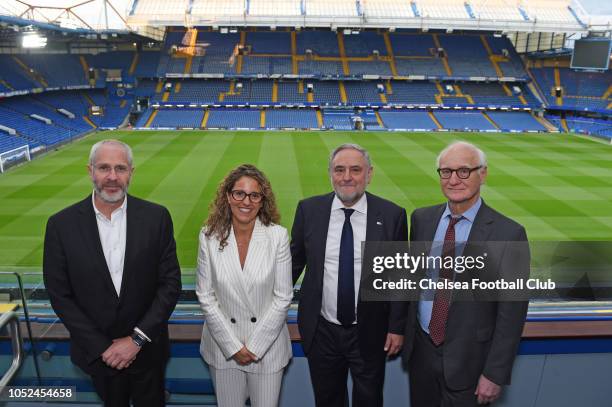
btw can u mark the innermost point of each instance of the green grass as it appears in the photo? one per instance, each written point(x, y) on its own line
point(559, 187)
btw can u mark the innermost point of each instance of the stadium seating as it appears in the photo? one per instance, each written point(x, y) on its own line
point(291, 118)
point(234, 119)
point(338, 119)
point(178, 118)
point(516, 121)
point(579, 89)
point(407, 120)
point(454, 120)
point(8, 142)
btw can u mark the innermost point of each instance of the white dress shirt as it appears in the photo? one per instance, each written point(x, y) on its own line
point(332, 252)
point(112, 236)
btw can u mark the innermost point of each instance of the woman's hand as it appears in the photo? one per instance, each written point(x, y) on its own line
point(244, 357)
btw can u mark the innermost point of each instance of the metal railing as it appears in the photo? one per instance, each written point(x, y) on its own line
point(10, 320)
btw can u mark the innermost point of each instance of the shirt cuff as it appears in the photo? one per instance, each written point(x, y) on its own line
point(139, 332)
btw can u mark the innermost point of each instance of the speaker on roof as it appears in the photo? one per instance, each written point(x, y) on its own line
point(309, 87)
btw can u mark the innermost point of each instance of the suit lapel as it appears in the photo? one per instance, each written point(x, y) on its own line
point(320, 235)
point(255, 255)
point(131, 239)
point(482, 224)
point(91, 237)
point(374, 222)
point(236, 273)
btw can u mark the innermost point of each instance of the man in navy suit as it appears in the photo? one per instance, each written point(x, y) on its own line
point(341, 333)
point(113, 278)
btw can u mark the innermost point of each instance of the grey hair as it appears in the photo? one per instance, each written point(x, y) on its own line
point(349, 146)
point(482, 158)
point(96, 147)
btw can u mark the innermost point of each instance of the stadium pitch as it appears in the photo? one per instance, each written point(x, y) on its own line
point(558, 186)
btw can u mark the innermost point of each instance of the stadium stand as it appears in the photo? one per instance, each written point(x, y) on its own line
point(452, 120)
point(234, 119)
point(291, 118)
point(516, 121)
point(408, 120)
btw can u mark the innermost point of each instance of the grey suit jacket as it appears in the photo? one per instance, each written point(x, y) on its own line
point(481, 337)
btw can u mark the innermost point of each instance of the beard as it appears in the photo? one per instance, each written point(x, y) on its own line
point(108, 197)
point(348, 198)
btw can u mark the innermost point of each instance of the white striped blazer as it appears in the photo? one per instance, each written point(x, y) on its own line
point(246, 307)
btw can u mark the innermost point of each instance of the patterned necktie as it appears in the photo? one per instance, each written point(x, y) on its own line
point(441, 303)
point(346, 273)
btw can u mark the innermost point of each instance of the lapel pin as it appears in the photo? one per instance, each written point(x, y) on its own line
point(379, 223)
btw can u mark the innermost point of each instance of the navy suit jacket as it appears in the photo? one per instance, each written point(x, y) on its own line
point(385, 222)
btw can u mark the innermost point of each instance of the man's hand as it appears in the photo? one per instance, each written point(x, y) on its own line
point(393, 344)
point(121, 353)
point(487, 391)
point(244, 356)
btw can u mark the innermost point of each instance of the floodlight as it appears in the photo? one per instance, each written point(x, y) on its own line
point(33, 40)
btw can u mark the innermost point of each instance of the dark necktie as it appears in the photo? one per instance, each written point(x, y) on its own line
point(346, 273)
point(441, 303)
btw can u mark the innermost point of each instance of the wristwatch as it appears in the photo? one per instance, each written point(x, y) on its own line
point(138, 339)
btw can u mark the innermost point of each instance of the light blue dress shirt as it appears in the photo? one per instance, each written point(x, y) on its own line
point(462, 232)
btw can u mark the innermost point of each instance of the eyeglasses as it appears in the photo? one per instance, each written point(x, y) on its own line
point(462, 173)
point(254, 197)
point(106, 169)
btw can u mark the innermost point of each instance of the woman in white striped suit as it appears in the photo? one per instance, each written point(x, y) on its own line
point(244, 287)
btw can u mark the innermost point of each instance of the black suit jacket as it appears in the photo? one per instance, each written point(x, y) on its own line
point(482, 337)
point(82, 293)
point(385, 222)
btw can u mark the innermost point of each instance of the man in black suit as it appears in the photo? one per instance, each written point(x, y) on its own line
point(339, 331)
point(460, 353)
point(113, 278)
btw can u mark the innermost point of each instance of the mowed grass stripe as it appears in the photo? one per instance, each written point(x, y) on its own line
point(312, 157)
point(500, 199)
point(278, 161)
point(180, 189)
point(34, 221)
point(243, 147)
point(532, 191)
point(549, 207)
point(389, 181)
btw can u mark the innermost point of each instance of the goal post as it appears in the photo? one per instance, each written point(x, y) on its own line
point(13, 156)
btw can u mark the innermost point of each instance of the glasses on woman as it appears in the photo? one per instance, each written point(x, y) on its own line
point(254, 197)
point(462, 173)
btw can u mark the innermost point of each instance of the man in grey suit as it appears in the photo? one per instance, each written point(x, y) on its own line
point(460, 353)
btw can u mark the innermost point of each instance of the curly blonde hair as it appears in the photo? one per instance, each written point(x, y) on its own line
point(219, 220)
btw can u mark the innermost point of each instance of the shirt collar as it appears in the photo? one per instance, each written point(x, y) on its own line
point(360, 206)
point(122, 208)
point(470, 214)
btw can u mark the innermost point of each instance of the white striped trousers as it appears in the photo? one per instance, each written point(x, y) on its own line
point(233, 387)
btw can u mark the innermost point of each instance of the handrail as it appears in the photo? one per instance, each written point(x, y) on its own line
point(10, 319)
point(24, 304)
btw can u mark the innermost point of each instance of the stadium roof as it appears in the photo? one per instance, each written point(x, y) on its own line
point(492, 15)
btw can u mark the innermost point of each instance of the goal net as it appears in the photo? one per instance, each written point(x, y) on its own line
point(14, 156)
